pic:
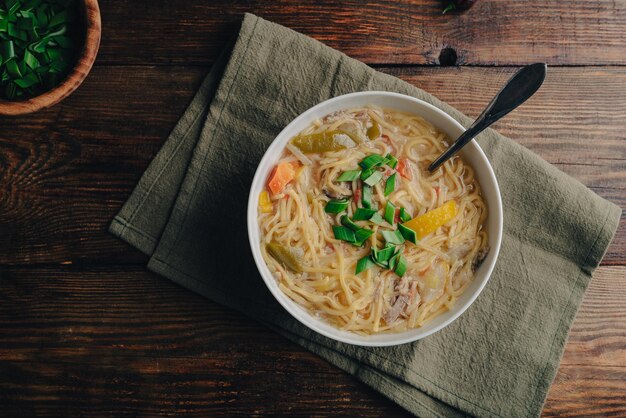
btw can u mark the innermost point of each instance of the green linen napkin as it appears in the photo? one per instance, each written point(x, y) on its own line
point(188, 214)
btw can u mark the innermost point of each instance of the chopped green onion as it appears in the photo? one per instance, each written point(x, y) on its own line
point(401, 266)
point(390, 212)
point(373, 178)
point(404, 215)
point(408, 233)
point(390, 184)
point(363, 264)
point(363, 214)
point(366, 198)
point(373, 160)
point(13, 69)
point(383, 255)
point(344, 234)
point(376, 219)
point(362, 235)
point(349, 175)
point(393, 237)
point(345, 221)
point(336, 206)
point(393, 261)
point(30, 60)
point(7, 50)
point(37, 45)
point(391, 161)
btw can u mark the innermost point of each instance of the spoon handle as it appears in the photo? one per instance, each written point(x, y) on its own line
point(515, 92)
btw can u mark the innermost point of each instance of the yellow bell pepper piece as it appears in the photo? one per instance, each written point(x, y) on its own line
point(429, 222)
point(265, 203)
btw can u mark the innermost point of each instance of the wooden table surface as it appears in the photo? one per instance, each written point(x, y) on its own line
point(86, 330)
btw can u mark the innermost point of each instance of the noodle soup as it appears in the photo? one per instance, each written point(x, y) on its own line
point(357, 231)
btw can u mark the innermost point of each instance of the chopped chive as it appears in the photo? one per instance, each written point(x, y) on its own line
point(362, 235)
point(366, 198)
point(393, 261)
point(393, 237)
point(37, 45)
point(347, 222)
point(376, 219)
point(390, 212)
point(408, 233)
point(404, 215)
point(363, 264)
point(374, 258)
point(363, 214)
point(344, 234)
point(336, 206)
point(390, 184)
point(391, 161)
point(373, 178)
point(349, 175)
point(373, 160)
point(401, 266)
point(384, 255)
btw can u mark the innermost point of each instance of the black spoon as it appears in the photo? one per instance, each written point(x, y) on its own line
point(516, 91)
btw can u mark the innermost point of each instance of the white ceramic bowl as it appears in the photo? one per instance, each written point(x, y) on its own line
point(472, 154)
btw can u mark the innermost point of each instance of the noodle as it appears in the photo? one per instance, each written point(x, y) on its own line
point(439, 267)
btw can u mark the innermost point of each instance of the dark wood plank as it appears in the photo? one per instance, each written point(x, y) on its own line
point(66, 171)
point(121, 341)
point(385, 31)
point(128, 343)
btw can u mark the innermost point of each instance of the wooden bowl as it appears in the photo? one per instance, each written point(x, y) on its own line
point(93, 29)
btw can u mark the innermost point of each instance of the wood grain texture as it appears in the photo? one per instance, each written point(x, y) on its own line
point(120, 341)
point(493, 32)
point(71, 168)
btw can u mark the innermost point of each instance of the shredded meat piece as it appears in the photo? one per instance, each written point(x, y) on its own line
point(331, 117)
point(333, 195)
point(397, 308)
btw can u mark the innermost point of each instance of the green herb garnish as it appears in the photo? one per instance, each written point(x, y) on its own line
point(336, 206)
point(373, 178)
point(390, 212)
point(401, 266)
point(363, 264)
point(393, 237)
point(363, 214)
point(407, 233)
point(371, 161)
point(366, 198)
point(347, 222)
point(391, 161)
point(383, 255)
point(344, 234)
point(37, 47)
point(390, 184)
point(362, 235)
point(376, 219)
point(404, 215)
point(350, 175)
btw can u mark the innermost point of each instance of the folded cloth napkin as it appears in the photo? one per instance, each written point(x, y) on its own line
point(188, 214)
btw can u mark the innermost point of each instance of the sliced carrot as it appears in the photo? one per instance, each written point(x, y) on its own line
point(281, 176)
point(405, 169)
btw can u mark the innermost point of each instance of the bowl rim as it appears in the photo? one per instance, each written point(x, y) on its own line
point(82, 67)
point(300, 313)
